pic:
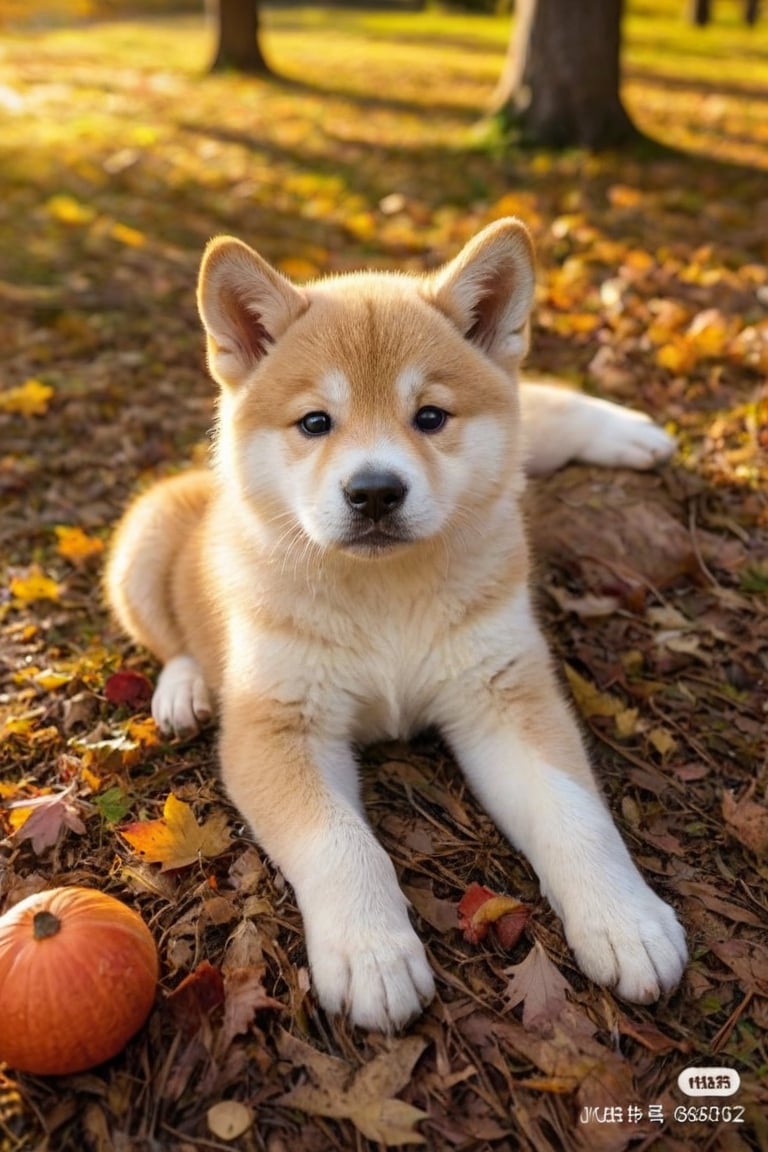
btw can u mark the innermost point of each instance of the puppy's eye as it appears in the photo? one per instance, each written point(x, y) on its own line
point(430, 419)
point(315, 424)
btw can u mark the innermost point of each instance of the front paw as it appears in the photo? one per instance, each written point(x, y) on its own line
point(634, 944)
point(181, 704)
point(377, 974)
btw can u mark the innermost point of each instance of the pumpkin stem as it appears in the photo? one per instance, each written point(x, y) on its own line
point(45, 924)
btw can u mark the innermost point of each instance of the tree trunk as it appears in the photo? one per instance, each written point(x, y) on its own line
point(560, 85)
point(701, 12)
point(238, 46)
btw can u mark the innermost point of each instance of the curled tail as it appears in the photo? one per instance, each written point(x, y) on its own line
point(145, 549)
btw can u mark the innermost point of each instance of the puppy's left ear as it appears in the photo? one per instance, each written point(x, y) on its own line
point(487, 290)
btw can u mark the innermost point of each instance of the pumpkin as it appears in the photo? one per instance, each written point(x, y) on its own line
point(78, 973)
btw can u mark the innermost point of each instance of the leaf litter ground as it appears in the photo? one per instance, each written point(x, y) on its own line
point(118, 163)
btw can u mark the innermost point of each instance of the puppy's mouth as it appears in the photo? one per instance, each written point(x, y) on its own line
point(375, 539)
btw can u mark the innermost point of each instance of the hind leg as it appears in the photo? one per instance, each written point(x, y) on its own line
point(148, 583)
point(560, 425)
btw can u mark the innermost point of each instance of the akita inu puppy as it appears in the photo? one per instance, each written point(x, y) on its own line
point(354, 567)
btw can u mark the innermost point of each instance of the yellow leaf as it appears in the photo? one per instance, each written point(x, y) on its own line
point(362, 225)
point(34, 586)
point(144, 731)
point(69, 210)
point(663, 741)
point(298, 268)
point(589, 699)
point(638, 259)
point(678, 357)
point(622, 196)
point(93, 781)
point(177, 840)
point(626, 722)
point(29, 399)
point(76, 546)
point(710, 332)
point(128, 236)
point(17, 817)
point(17, 726)
point(49, 679)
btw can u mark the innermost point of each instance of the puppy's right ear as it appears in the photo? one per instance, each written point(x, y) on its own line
point(245, 306)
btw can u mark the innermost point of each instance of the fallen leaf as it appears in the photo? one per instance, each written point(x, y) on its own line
point(198, 994)
point(366, 1097)
point(244, 996)
point(131, 237)
point(649, 1036)
point(229, 1119)
point(589, 699)
point(114, 753)
point(76, 546)
point(747, 820)
point(662, 740)
point(440, 914)
point(28, 399)
point(480, 909)
point(177, 840)
point(47, 817)
point(747, 959)
point(113, 804)
point(588, 607)
point(539, 986)
point(128, 687)
point(34, 586)
point(68, 210)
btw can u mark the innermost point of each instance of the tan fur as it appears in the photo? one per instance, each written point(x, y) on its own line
point(314, 627)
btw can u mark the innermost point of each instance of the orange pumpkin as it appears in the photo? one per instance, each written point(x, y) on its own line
point(78, 973)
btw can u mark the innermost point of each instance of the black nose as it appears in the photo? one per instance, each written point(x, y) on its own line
point(374, 494)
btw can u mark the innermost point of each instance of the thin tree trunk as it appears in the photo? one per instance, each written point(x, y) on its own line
point(560, 85)
point(701, 12)
point(238, 46)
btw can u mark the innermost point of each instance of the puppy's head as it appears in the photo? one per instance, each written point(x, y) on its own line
point(371, 411)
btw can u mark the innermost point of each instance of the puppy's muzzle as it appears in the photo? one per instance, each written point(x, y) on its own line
point(375, 495)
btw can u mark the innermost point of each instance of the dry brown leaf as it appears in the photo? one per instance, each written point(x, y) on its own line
point(539, 986)
point(244, 996)
point(365, 1097)
point(747, 820)
point(589, 699)
point(747, 959)
point(244, 947)
point(198, 994)
point(440, 914)
point(648, 1035)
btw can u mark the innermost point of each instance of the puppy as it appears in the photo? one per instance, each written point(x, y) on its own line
point(354, 567)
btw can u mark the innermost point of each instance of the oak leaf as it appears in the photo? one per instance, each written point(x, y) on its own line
point(176, 839)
